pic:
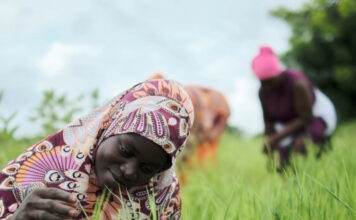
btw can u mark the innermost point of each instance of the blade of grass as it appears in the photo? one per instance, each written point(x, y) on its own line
point(298, 180)
point(83, 210)
point(229, 203)
point(345, 204)
point(152, 202)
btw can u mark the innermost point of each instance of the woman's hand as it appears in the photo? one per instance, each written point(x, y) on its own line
point(270, 144)
point(272, 140)
point(47, 203)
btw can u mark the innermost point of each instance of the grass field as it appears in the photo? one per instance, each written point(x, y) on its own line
point(240, 187)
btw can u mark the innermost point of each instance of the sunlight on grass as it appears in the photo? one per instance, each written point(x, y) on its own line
point(241, 187)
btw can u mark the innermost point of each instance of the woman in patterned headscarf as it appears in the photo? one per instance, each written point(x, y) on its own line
point(127, 147)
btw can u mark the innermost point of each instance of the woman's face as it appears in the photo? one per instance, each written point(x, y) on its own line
point(128, 160)
point(271, 84)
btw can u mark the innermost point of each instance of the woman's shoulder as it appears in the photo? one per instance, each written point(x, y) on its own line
point(300, 85)
point(293, 74)
point(296, 78)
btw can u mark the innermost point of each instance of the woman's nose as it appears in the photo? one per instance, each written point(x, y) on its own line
point(130, 170)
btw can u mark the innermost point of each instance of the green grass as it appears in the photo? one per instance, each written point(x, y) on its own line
point(11, 148)
point(241, 187)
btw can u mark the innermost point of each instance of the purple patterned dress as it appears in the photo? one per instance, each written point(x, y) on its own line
point(279, 106)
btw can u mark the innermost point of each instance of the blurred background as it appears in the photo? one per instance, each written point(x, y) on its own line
point(76, 47)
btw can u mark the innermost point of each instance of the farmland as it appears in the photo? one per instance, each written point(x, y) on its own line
point(240, 186)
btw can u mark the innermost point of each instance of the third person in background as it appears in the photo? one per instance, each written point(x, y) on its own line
point(293, 108)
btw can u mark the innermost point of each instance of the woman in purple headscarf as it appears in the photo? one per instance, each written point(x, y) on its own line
point(126, 148)
point(293, 108)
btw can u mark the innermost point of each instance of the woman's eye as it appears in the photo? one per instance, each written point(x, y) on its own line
point(147, 169)
point(125, 152)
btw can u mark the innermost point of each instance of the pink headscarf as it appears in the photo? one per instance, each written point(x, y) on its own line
point(266, 64)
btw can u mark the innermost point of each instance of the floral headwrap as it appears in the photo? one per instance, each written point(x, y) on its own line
point(159, 110)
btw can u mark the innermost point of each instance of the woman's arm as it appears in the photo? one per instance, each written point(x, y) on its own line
point(269, 129)
point(303, 103)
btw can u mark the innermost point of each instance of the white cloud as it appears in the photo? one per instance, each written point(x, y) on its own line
point(221, 66)
point(201, 46)
point(60, 57)
point(246, 112)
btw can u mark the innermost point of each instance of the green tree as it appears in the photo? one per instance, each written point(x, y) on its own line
point(6, 131)
point(55, 111)
point(58, 110)
point(94, 97)
point(323, 46)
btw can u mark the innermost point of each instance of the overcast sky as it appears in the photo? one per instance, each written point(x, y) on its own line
point(77, 46)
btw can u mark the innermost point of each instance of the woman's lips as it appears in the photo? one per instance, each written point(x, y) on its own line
point(117, 179)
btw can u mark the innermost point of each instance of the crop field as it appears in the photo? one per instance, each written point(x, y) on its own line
point(239, 185)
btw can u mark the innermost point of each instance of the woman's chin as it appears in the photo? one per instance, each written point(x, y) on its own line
point(112, 187)
point(106, 181)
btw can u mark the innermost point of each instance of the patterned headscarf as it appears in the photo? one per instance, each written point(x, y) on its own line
point(159, 110)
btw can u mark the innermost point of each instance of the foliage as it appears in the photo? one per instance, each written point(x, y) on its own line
point(323, 45)
point(241, 187)
point(6, 132)
point(234, 130)
point(94, 96)
point(55, 111)
point(10, 147)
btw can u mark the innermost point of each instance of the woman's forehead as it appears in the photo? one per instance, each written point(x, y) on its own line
point(144, 147)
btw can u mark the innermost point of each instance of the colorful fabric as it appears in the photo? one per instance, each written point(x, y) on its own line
point(280, 108)
point(266, 64)
point(279, 102)
point(211, 111)
point(325, 109)
point(159, 110)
